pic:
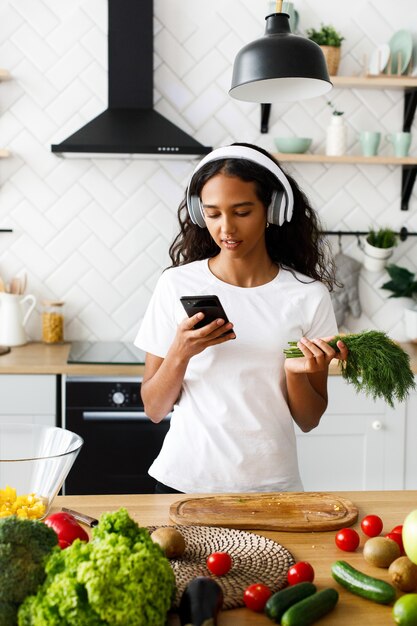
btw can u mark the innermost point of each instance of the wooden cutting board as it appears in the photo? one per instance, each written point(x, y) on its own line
point(293, 512)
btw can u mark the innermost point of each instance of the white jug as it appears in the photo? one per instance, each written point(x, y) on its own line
point(12, 320)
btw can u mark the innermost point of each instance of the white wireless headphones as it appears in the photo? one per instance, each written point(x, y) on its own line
point(282, 202)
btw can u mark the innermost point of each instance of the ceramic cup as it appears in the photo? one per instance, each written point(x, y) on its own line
point(370, 142)
point(401, 142)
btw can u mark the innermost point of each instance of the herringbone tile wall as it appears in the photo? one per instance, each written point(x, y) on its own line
point(95, 233)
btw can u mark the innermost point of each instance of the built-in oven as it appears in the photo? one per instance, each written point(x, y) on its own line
point(120, 441)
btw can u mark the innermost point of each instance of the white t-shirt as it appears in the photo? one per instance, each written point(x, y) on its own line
point(231, 430)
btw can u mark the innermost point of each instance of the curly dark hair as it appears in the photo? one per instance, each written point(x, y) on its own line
point(298, 245)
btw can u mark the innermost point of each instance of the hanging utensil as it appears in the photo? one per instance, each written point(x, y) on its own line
point(2, 285)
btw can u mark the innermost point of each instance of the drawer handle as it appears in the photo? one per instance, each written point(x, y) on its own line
point(377, 425)
point(139, 416)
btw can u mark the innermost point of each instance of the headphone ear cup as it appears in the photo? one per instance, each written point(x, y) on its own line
point(195, 211)
point(277, 208)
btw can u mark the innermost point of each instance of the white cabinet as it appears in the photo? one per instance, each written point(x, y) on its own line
point(410, 470)
point(359, 444)
point(28, 398)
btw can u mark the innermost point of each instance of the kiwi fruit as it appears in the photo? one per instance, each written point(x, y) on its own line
point(171, 541)
point(380, 551)
point(403, 574)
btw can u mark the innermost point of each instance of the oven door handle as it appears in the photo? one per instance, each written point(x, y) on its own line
point(139, 416)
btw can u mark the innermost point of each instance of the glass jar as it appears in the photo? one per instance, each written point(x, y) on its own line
point(52, 321)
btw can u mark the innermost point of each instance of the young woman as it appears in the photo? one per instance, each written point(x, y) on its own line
point(248, 235)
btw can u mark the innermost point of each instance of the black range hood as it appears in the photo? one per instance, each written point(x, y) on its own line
point(130, 126)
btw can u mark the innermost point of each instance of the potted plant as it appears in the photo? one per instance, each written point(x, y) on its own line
point(404, 285)
point(330, 42)
point(379, 246)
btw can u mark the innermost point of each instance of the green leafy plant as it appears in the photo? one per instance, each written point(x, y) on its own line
point(382, 238)
point(375, 365)
point(121, 577)
point(325, 36)
point(335, 111)
point(402, 283)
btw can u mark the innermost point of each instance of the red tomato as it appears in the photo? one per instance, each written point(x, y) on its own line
point(300, 572)
point(397, 537)
point(372, 525)
point(347, 539)
point(67, 528)
point(219, 563)
point(256, 596)
point(398, 529)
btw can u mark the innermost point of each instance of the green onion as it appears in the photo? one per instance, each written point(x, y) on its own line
point(375, 365)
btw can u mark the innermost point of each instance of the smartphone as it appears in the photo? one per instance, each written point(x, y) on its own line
point(209, 305)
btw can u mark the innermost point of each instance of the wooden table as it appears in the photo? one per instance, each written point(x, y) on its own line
point(318, 548)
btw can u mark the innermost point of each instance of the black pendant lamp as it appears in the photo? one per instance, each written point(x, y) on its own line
point(280, 66)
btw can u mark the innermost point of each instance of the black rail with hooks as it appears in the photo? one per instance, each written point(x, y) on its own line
point(6, 230)
point(403, 234)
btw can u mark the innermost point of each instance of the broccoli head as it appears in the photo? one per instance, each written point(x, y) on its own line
point(24, 546)
point(121, 577)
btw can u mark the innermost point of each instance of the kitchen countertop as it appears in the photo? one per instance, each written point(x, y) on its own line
point(41, 358)
point(317, 548)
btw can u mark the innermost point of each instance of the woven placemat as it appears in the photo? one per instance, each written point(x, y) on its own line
point(256, 559)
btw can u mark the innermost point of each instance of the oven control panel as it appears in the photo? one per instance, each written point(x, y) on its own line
point(104, 393)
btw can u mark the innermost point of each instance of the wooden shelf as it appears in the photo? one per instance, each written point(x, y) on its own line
point(346, 158)
point(4, 75)
point(375, 82)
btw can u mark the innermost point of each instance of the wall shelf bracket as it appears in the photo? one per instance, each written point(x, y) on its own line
point(265, 112)
point(407, 183)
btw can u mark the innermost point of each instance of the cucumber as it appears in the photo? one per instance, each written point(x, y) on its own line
point(363, 585)
point(310, 609)
point(282, 600)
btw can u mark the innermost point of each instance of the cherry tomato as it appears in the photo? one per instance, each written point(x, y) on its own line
point(256, 596)
point(219, 563)
point(300, 572)
point(397, 537)
point(67, 528)
point(398, 529)
point(372, 525)
point(347, 539)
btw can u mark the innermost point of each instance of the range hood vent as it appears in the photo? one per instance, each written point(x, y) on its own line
point(130, 126)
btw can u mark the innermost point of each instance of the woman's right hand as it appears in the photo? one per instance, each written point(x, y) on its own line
point(190, 341)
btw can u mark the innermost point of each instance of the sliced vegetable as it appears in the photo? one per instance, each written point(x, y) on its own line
point(67, 528)
point(300, 572)
point(219, 563)
point(347, 539)
point(361, 584)
point(200, 602)
point(375, 365)
point(372, 525)
point(280, 601)
point(311, 609)
point(256, 596)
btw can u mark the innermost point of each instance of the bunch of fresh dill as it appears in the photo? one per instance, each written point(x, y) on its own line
point(375, 365)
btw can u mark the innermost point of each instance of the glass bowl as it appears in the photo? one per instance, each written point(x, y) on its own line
point(34, 462)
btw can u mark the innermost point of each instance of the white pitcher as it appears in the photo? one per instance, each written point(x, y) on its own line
point(13, 319)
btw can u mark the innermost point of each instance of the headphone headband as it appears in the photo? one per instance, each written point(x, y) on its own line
point(282, 204)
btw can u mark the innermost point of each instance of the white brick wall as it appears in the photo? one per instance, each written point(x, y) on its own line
point(95, 233)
